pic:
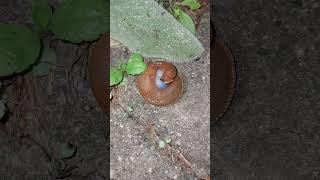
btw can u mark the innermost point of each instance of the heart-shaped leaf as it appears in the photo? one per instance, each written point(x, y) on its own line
point(19, 48)
point(80, 20)
point(135, 64)
point(135, 68)
point(135, 57)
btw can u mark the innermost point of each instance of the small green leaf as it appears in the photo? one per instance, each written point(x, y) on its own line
point(80, 20)
point(67, 150)
point(41, 14)
point(193, 4)
point(187, 21)
point(115, 77)
point(135, 68)
point(19, 48)
point(167, 140)
point(135, 57)
point(135, 64)
point(123, 67)
point(162, 144)
point(46, 63)
point(130, 109)
point(2, 109)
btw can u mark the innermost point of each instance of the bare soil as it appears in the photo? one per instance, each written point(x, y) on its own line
point(134, 135)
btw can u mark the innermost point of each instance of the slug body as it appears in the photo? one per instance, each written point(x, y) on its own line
point(160, 84)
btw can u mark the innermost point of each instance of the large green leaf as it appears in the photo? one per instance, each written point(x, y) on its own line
point(41, 13)
point(19, 48)
point(147, 28)
point(80, 20)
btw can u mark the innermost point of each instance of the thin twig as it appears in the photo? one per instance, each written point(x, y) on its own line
point(171, 152)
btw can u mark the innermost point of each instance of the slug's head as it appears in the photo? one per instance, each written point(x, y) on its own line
point(160, 84)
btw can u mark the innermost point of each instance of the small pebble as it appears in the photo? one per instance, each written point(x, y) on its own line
point(119, 158)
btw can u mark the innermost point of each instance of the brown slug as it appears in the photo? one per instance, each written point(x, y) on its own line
point(160, 84)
